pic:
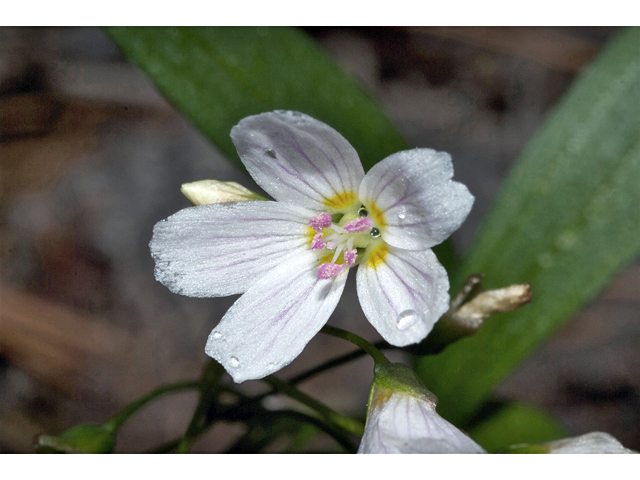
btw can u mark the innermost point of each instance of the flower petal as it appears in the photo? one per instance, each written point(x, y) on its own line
point(221, 249)
point(409, 424)
point(413, 200)
point(594, 442)
point(403, 293)
point(298, 159)
point(273, 321)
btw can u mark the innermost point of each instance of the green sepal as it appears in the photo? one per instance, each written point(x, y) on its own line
point(83, 438)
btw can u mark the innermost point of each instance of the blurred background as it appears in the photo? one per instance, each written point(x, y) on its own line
point(92, 157)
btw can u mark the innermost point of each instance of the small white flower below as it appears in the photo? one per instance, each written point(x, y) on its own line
point(402, 418)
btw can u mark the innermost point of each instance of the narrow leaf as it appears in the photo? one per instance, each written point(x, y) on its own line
point(514, 424)
point(566, 220)
point(217, 76)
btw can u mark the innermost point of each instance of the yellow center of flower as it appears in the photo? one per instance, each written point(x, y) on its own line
point(349, 234)
point(377, 254)
point(341, 201)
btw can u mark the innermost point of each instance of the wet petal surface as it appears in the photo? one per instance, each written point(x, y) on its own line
point(402, 292)
point(273, 321)
point(415, 202)
point(218, 250)
point(298, 159)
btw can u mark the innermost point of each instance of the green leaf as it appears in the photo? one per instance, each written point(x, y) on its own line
point(516, 424)
point(217, 76)
point(566, 220)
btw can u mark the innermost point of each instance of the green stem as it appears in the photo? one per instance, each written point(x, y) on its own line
point(376, 354)
point(115, 422)
point(336, 362)
point(336, 433)
point(349, 424)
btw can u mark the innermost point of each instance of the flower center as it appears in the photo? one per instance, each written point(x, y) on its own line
point(350, 233)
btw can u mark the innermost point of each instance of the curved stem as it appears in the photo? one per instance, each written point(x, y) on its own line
point(335, 433)
point(335, 362)
point(376, 354)
point(349, 424)
point(115, 422)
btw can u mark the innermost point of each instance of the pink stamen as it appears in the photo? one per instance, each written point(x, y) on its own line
point(320, 221)
point(328, 270)
point(350, 257)
point(359, 225)
point(317, 243)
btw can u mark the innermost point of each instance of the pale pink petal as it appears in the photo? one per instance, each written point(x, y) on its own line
point(297, 159)
point(272, 322)
point(221, 249)
point(407, 423)
point(404, 295)
point(419, 203)
point(594, 442)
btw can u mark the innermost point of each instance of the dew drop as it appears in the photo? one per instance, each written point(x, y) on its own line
point(402, 214)
point(375, 233)
point(217, 335)
point(234, 362)
point(407, 319)
point(363, 212)
point(271, 366)
point(270, 153)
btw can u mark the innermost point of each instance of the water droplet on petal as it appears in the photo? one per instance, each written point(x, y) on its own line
point(407, 319)
point(217, 335)
point(271, 366)
point(402, 214)
point(234, 362)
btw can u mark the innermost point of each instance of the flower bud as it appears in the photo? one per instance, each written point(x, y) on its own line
point(594, 442)
point(465, 317)
point(205, 192)
point(487, 303)
point(84, 438)
point(402, 417)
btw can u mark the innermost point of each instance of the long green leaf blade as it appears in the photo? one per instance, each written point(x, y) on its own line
point(566, 220)
point(217, 76)
point(514, 424)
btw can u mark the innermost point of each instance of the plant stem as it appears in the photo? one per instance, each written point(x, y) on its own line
point(376, 354)
point(336, 362)
point(336, 433)
point(115, 422)
point(349, 424)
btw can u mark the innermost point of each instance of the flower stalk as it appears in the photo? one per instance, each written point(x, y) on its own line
point(366, 346)
point(349, 424)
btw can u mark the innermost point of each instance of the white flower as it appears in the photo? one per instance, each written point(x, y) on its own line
point(290, 257)
point(402, 418)
point(594, 442)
